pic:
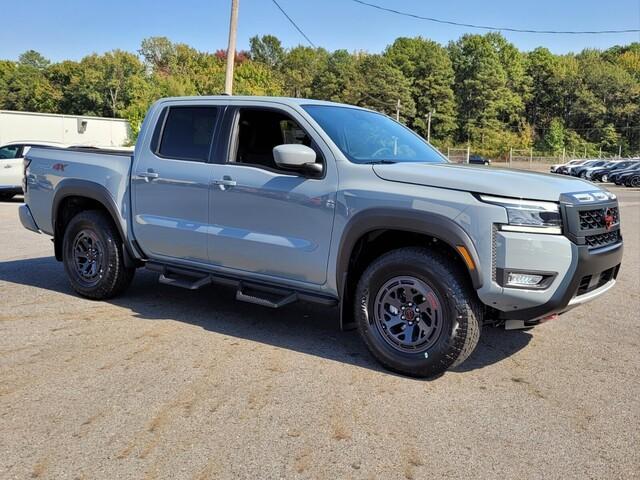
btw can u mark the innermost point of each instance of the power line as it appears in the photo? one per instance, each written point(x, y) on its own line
point(486, 27)
point(294, 23)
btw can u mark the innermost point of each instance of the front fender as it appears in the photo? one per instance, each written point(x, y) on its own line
point(432, 224)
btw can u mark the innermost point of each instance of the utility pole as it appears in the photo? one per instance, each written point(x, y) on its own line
point(398, 111)
point(231, 49)
point(431, 112)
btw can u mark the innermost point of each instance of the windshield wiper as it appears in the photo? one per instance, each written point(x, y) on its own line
point(380, 162)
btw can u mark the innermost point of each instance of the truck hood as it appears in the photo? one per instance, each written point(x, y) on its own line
point(480, 179)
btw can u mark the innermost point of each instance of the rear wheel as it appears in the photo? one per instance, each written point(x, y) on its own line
point(604, 178)
point(634, 181)
point(92, 256)
point(415, 312)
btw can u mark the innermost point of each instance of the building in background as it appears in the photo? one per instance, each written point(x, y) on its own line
point(64, 129)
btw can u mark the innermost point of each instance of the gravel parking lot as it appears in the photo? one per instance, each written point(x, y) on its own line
point(167, 383)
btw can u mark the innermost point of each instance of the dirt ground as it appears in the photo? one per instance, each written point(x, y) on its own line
point(170, 384)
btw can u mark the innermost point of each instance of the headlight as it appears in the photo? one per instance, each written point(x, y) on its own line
point(528, 215)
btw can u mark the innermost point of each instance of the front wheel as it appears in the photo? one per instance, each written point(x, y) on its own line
point(92, 256)
point(634, 182)
point(604, 178)
point(415, 312)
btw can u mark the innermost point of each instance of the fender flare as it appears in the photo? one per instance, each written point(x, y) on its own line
point(426, 223)
point(72, 187)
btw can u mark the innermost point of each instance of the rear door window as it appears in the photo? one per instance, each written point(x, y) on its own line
point(188, 133)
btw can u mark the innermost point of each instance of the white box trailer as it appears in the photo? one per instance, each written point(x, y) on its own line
point(65, 129)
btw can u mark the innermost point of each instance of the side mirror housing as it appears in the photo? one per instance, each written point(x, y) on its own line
point(295, 156)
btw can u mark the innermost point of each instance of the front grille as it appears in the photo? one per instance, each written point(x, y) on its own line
point(595, 219)
point(602, 239)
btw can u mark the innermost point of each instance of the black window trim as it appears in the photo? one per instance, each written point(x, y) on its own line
point(164, 115)
point(232, 149)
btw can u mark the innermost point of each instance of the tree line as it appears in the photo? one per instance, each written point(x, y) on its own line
point(481, 90)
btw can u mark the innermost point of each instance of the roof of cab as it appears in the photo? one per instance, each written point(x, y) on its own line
point(282, 100)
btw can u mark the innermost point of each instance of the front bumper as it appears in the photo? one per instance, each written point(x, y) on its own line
point(591, 274)
point(583, 263)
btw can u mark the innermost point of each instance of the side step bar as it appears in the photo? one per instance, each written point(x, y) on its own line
point(185, 282)
point(266, 295)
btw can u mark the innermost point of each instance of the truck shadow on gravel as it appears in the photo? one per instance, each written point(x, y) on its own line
point(302, 327)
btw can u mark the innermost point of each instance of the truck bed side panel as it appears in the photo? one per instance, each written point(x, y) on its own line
point(51, 168)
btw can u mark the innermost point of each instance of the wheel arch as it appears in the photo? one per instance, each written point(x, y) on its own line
point(415, 228)
point(74, 196)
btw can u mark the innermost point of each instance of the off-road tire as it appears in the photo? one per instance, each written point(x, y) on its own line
point(112, 276)
point(461, 312)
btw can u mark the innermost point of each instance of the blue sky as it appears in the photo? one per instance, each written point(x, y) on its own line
point(63, 29)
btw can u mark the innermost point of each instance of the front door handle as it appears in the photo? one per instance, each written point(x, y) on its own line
point(7, 166)
point(225, 182)
point(148, 176)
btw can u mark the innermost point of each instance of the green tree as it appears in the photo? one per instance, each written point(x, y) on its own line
point(384, 87)
point(554, 138)
point(300, 67)
point(266, 49)
point(428, 68)
point(33, 59)
point(340, 81)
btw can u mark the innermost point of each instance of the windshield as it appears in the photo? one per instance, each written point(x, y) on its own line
point(368, 137)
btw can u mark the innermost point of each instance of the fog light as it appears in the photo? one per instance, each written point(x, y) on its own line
point(523, 279)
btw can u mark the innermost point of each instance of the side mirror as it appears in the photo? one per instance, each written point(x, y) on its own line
point(295, 156)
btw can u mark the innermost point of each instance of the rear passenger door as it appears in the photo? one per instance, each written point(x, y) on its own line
point(170, 183)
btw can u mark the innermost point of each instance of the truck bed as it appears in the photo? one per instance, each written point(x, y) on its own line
point(52, 169)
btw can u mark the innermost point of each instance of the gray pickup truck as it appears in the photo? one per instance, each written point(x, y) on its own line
point(293, 199)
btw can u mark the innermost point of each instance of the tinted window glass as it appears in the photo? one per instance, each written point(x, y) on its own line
point(261, 130)
point(368, 137)
point(9, 151)
point(188, 133)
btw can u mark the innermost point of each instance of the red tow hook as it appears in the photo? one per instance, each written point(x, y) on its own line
point(548, 318)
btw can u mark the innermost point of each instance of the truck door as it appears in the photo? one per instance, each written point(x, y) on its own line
point(170, 183)
point(265, 220)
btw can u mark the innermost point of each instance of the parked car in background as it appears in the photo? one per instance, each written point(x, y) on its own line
point(632, 180)
point(12, 168)
point(569, 169)
point(564, 169)
point(602, 175)
point(619, 176)
point(581, 170)
point(293, 199)
point(554, 168)
point(479, 160)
